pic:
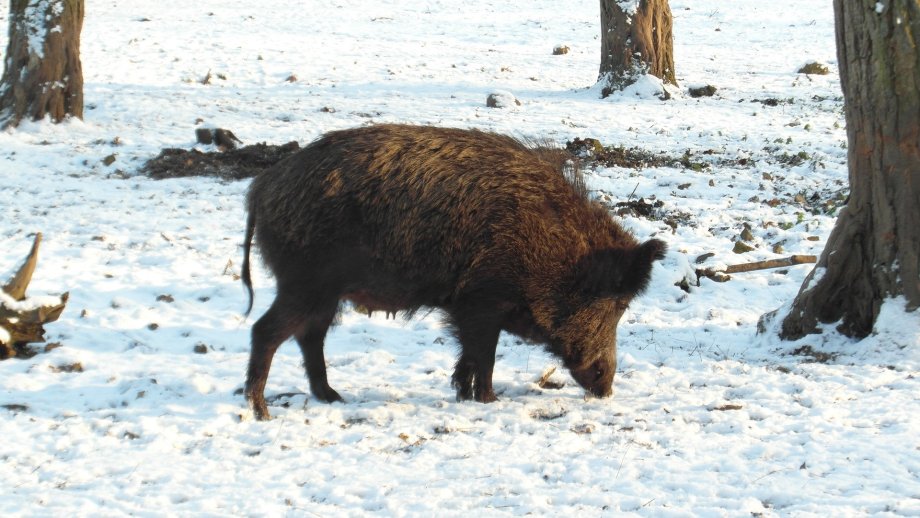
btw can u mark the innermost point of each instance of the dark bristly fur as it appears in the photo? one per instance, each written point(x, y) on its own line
point(499, 235)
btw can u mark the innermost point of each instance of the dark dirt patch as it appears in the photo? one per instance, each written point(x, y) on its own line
point(814, 356)
point(67, 367)
point(634, 157)
point(592, 150)
point(792, 160)
point(640, 208)
point(772, 101)
point(725, 408)
point(654, 210)
point(702, 91)
point(543, 414)
point(233, 164)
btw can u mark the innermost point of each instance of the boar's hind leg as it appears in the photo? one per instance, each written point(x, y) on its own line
point(478, 337)
point(282, 319)
point(311, 340)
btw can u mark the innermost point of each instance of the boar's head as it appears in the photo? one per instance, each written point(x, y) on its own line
point(584, 334)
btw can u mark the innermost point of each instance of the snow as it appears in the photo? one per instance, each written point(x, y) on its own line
point(29, 304)
point(630, 7)
point(646, 87)
point(708, 417)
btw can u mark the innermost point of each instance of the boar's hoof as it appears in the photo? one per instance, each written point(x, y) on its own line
point(462, 381)
point(486, 397)
point(259, 408)
point(465, 392)
point(326, 394)
point(464, 388)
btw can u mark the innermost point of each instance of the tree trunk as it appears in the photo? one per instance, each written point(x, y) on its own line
point(635, 39)
point(874, 250)
point(42, 72)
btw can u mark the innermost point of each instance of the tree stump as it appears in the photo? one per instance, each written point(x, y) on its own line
point(22, 319)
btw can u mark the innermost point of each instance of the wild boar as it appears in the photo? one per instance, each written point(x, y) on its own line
point(497, 234)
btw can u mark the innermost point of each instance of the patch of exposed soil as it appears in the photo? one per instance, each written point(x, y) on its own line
point(640, 208)
point(232, 164)
point(591, 150)
point(653, 211)
point(813, 356)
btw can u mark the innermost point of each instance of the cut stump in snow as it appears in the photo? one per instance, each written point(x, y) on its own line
point(22, 319)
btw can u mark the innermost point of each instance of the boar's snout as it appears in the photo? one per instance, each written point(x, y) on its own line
point(596, 378)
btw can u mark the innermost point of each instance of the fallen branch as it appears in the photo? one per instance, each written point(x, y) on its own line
point(545, 383)
point(723, 275)
point(16, 286)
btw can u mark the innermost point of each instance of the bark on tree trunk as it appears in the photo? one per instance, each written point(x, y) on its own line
point(874, 250)
point(636, 38)
point(42, 72)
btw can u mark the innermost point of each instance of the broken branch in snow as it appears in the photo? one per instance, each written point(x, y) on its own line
point(545, 383)
point(21, 318)
point(16, 286)
point(723, 275)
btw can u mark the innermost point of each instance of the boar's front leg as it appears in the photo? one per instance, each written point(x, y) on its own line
point(477, 332)
point(311, 345)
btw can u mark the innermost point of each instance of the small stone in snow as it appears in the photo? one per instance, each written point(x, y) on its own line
point(501, 100)
point(746, 234)
point(814, 68)
point(702, 91)
point(742, 248)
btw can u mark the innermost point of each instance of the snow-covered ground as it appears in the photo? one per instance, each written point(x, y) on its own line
point(708, 418)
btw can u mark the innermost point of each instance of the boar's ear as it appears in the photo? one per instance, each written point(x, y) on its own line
point(619, 272)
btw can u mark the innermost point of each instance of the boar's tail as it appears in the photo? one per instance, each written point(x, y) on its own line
point(247, 246)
